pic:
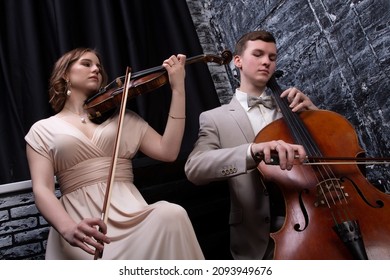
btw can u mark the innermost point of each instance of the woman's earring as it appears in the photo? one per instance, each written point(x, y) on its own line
point(68, 92)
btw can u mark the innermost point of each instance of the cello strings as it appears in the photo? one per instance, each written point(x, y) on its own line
point(302, 136)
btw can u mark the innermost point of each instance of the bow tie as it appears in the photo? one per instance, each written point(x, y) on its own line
point(266, 101)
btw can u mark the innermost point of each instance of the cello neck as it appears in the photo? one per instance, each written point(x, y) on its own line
point(294, 123)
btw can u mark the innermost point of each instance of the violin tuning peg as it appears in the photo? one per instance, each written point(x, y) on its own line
point(119, 82)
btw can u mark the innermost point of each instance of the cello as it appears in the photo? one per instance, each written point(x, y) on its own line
point(332, 210)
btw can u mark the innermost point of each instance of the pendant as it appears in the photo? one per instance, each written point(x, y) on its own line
point(82, 120)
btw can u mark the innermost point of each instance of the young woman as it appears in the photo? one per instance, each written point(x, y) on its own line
point(79, 153)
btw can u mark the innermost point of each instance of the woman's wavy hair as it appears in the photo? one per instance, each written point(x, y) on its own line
point(58, 85)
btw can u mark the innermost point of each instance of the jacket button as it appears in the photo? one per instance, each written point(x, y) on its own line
point(267, 220)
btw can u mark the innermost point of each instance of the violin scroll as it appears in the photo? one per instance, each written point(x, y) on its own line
point(225, 57)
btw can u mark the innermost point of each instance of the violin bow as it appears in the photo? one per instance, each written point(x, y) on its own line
point(111, 175)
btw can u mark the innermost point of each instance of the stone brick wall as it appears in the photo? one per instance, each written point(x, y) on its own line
point(23, 231)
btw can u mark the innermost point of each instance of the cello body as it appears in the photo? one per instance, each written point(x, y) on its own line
point(332, 212)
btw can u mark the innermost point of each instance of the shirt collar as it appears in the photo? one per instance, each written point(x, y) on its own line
point(242, 98)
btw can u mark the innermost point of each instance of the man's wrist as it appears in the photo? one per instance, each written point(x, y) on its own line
point(256, 157)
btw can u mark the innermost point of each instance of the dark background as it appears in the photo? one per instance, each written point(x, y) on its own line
point(137, 33)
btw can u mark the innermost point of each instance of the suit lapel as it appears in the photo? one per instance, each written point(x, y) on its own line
point(239, 115)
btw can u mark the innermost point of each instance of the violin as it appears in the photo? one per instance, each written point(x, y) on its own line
point(106, 100)
point(332, 210)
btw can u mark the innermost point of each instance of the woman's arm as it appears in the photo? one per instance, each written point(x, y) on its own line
point(166, 147)
point(42, 177)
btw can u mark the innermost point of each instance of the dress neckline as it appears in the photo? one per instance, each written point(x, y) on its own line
point(69, 124)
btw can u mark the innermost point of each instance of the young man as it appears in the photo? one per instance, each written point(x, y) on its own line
point(225, 147)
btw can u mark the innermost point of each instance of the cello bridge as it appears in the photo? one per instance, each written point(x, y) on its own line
point(330, 192)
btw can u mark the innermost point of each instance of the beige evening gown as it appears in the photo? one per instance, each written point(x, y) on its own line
point(137, 230)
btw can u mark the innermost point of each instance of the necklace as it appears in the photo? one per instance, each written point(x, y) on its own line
point(82, 116)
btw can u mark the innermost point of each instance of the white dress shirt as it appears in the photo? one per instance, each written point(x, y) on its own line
point(259, 116)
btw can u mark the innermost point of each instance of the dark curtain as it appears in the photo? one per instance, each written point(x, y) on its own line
point(135, 33)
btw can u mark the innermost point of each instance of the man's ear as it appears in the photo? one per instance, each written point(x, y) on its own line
point(237, 61)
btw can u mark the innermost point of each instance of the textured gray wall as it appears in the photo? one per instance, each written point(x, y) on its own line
point(337, 52)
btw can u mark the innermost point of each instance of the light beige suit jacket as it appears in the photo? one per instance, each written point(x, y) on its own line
point(220, 153)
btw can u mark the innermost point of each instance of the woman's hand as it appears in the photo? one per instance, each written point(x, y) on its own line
point(175, 66)
point(87, 236)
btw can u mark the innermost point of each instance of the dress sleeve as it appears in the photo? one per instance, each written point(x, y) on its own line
point(38, 139)
point(133, 132)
